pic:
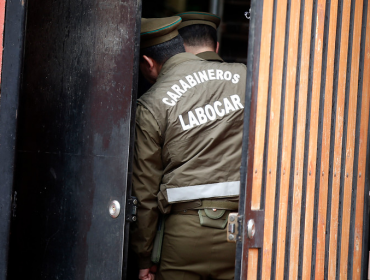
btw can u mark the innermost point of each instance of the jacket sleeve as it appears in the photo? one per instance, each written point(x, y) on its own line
point(147, 175)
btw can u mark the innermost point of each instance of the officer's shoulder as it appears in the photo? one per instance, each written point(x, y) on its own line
point(148, 93)
point(235, 65)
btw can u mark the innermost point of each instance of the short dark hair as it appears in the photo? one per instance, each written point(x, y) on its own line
point(199, 35)
point(162, 52)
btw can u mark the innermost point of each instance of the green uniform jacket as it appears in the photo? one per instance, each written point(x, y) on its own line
point(189, 129)
point(210, 56)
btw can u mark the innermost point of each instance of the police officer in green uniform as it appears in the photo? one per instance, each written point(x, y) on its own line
point(199, 32)
point(187, 157)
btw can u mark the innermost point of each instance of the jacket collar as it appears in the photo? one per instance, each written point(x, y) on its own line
point(210, 56)
point(176, 60)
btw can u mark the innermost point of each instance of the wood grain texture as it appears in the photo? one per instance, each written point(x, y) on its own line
point(357, 253)
point(273, 141)
point(312, 154)
point(325, 145)
point(351, 139)
point(252, 264)
point(338, 139)
point(300, 139)
point(263, 83)
point(287, 135)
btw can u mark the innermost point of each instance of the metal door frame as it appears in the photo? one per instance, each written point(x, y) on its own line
point(11, 80)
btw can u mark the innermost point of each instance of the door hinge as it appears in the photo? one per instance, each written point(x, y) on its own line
point(131, 209)
point(235, 227)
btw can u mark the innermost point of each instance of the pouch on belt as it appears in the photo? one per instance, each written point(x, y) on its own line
point(214, 218)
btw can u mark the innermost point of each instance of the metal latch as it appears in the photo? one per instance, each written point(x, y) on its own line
point(114, 208)
point(248, 14)
point(234, 227)
point(131, 208)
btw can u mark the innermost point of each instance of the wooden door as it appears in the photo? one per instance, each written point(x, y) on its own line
point(306, 146)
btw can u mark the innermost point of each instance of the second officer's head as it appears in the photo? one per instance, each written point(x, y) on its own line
point(199, 31)
point(159, 41)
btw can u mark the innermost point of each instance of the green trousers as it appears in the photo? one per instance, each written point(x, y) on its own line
point(193, 252)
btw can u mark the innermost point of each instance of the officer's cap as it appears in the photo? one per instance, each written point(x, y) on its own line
point(190, 18)
point(155, 31)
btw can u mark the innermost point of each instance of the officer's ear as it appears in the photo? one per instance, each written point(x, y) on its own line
point(217, 47)
point(148, 62)
point(150, 68)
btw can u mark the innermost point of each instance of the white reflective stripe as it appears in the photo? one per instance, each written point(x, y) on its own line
point(203, 191)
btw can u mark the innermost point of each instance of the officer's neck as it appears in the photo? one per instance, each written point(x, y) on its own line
point(196, 50)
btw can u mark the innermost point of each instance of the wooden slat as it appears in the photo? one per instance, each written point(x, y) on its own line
point(287, 135)
point(300, 139)
point(263, 82)
point(338, 139)
point(273, 141)
point(325, 145)
point(357, 253)
point(252, 264)
point(311, 168)
point(351, 137)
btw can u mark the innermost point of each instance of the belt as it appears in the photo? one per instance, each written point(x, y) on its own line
point(190, 212)
point(186, 212)
point(201, 204)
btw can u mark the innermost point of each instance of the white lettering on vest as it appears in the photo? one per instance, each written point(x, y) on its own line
point(184, 85)
point(235, 79)
point(208, 113)
point(203, 76)
point(220, 113)
point(178, 90)
point(173, 96)
point(211, 74)
point(228, 106)
point(201, 116)
point(219, 74)
point(228, 75)
point(236, 101)
point(198, 78)
point(192, 119)
point(191, 80)
point(172, 103)
point(184, 126)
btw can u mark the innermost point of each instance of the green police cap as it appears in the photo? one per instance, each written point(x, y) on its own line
point(155, 31)
point(190, 18)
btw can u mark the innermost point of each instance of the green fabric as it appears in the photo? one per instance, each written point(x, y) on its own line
point(210, 56)
point(193, 252)
point(214, 215)
point(146, 179)
point(213, 220)
point(157, 247)
point(220, 204)
point(165, 155)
